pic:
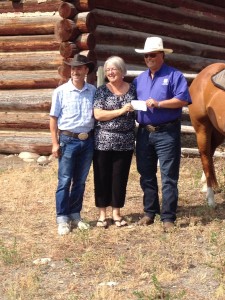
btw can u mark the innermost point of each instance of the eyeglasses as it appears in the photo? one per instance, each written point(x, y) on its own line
point(152, 55)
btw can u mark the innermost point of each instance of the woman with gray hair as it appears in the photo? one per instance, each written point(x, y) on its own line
point(114, 140)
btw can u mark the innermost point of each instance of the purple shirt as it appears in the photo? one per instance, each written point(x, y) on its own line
point(167, 83)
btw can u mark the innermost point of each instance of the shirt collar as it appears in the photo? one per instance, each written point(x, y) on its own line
point(73, 88)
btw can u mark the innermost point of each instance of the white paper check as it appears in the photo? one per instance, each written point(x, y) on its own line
point(139, 105)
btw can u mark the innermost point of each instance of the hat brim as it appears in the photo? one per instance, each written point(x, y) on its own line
point(166, 51)
point(89, 64)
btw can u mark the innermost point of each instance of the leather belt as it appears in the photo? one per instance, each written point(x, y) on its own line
point(81, 136)
point(152, 128)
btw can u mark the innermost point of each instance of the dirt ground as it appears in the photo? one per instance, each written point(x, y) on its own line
point(138, 263)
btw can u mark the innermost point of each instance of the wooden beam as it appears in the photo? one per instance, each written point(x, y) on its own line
point(195, 7)
point(40, 144)
point(67, 10)
point(68, 30)
point(28, 6)
point(85, 41)
point(147, 9)
point(21, 120)
point(183, 62)
point(83, 5)
point(104, 34)
point(190, 33)
point(28, 79)
point(26, 100)
point(27, 25)
point(28, 43)
point(40, 60)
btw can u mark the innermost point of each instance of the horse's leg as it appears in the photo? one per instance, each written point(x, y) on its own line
point(204, 135)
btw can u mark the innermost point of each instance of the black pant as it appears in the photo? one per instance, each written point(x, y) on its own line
point(111, 171)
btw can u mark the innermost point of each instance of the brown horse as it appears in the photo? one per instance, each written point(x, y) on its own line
point(207, 113)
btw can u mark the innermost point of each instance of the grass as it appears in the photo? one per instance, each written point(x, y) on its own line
point(131, 263)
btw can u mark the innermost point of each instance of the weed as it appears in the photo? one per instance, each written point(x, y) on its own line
point(9, 255)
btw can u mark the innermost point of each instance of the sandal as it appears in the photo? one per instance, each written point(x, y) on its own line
point(102, 223)
point(120, 223)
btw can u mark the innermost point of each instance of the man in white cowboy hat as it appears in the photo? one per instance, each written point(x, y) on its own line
point(71, 126)
point(165, 91)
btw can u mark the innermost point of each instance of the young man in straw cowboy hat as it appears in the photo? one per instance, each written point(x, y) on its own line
point(71, 126)
point(165, 91)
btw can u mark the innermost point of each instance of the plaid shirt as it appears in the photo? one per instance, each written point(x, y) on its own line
point(73, 107)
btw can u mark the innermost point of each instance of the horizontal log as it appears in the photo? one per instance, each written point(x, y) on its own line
point(40, 60)
point(28, 6)
point(196, 6)
point(68, 49)
point(214, 2)
point(180, 61)
point(67, 10)
point(28, 79)
point(85, 5)
point(39, 144)
point(85, 41)
point(68, 30)
point(27, 25)
point(187, 32)
point(28, 43)
point(26, 100)
point(104, 34)
point(27, 120)
point(162, 13)
point(82, 5)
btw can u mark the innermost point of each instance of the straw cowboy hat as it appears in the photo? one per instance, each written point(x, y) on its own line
point(153, 44)
point(80, 60)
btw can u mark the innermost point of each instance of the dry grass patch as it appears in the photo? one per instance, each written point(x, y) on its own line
point(138, 263)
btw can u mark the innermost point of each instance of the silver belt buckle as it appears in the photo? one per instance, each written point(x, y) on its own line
point(150, 128)
point(82, 136)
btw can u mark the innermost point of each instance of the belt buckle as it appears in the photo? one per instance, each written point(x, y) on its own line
point(150, 128)
point(82, 136)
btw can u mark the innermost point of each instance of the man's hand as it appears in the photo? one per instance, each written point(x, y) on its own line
point(56, 151)
point(152, 103)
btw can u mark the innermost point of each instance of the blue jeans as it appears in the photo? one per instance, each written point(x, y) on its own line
point(163, 145)
point(74, 165)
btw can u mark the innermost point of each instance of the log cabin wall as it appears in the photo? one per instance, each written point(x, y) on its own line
point(36, 36)
point(29, 59)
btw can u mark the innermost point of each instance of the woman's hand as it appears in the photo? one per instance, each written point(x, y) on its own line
point(127, 108)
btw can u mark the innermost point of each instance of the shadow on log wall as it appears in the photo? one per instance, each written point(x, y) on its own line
point(37, 37)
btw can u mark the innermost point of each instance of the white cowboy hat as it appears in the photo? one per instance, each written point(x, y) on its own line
point(153, 44)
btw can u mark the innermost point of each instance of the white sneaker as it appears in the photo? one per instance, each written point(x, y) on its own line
point(80, 224)
point(63, 228)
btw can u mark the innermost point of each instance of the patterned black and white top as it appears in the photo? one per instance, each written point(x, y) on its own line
point(116, 134)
